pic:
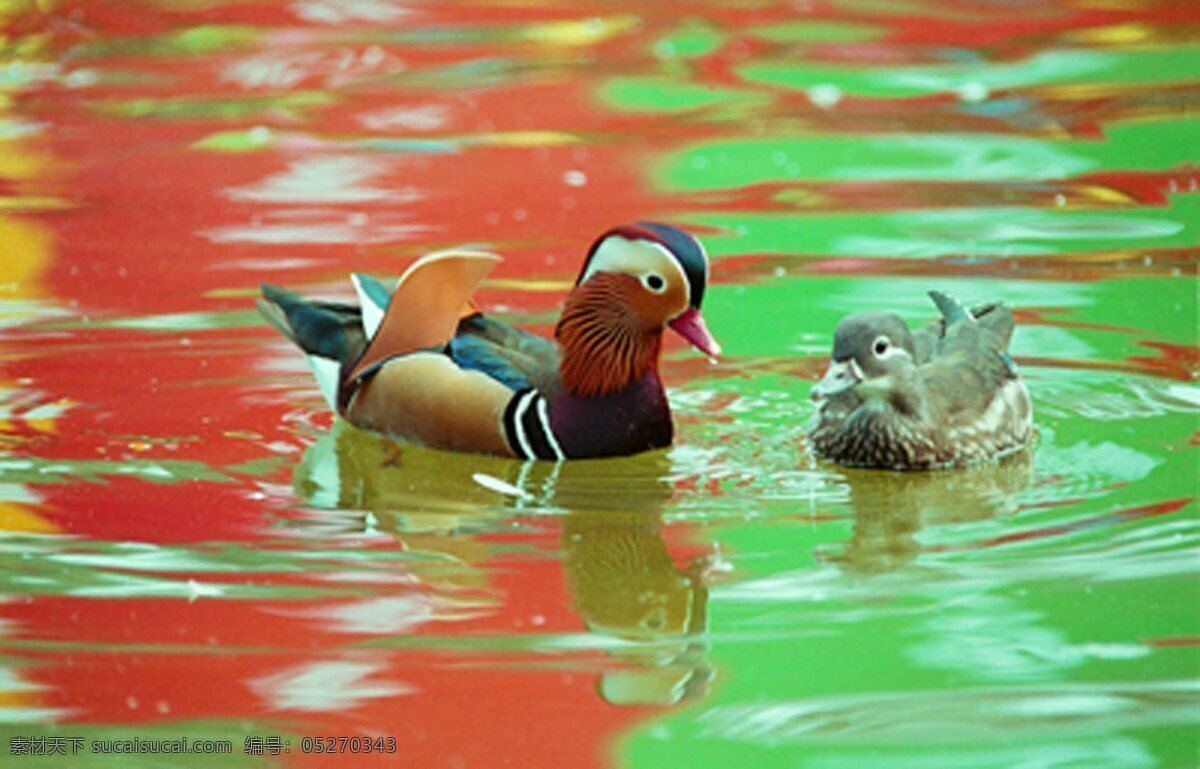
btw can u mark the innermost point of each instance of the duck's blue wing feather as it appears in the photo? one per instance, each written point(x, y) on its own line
point(476, 354)
point(515, 358)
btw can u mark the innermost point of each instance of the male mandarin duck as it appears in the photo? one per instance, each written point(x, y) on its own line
point(424, 365)
point(946, 396)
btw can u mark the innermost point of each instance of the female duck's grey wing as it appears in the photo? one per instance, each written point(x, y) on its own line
point(970, 363)
point(964, 381)
point(995, 322)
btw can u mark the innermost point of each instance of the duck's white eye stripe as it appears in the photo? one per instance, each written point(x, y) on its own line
point(891, 352)
point(687, 287)
point(882, 348)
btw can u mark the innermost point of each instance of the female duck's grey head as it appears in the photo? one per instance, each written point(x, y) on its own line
point(865, 346)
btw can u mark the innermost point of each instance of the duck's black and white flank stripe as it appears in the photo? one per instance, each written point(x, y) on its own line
point(527, 427)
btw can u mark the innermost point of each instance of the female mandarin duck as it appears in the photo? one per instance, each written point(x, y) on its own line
point(424, 365)
point(949, 395)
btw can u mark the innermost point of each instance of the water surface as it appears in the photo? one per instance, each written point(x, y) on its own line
point(193, 547)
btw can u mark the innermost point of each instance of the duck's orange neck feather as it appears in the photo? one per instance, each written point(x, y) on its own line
point(604, 347)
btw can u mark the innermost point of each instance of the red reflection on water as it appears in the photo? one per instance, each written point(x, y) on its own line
point(157, 227)
point(150, 228)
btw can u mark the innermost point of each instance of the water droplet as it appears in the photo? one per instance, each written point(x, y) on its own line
point(973, 92)
point(373, 56)
point(131, 703)
point(825, 95)
point(575, 178)
point(1060, 200)
point(82, 78)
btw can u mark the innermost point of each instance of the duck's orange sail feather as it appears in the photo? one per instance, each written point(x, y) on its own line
point(424, 311)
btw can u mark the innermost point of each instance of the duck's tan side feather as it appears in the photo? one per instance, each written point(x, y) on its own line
point(424, 397)
point(427, 305)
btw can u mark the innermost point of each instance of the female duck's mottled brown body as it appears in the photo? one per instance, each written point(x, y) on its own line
point(947, 396)
point(416, 365)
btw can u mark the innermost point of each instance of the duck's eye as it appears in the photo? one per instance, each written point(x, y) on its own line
point(654, 282)
point(880, 346)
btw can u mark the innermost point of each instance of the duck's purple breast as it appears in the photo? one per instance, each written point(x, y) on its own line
point(634, 419)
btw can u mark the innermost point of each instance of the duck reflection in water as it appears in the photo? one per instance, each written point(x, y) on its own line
point(623, 581)
point(626, 585)
point(891, 507)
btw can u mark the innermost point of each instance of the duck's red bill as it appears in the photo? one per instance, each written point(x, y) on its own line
point(690, 325)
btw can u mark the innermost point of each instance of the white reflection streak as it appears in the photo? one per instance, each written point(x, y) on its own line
point(15, 690)
point(964, 715)
point(354, 229)
point(325, 686)
point(341, 11)
point(1168, 550)
point(992, 637)
point(426, 117)
point(326, 179)
point(390, 615)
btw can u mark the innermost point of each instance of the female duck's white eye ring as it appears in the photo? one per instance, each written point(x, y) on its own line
point(880, 346)
point(654, 282)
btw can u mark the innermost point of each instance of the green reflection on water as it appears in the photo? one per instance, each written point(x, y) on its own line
point(1161, 145)
point(1147, 67)
point(1035, 612)
point(1013, 614)
point(983, 231)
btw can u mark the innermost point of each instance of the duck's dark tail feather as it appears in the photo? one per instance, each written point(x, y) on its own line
point(325, 329)
point(329, 332)
point(952, 309)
